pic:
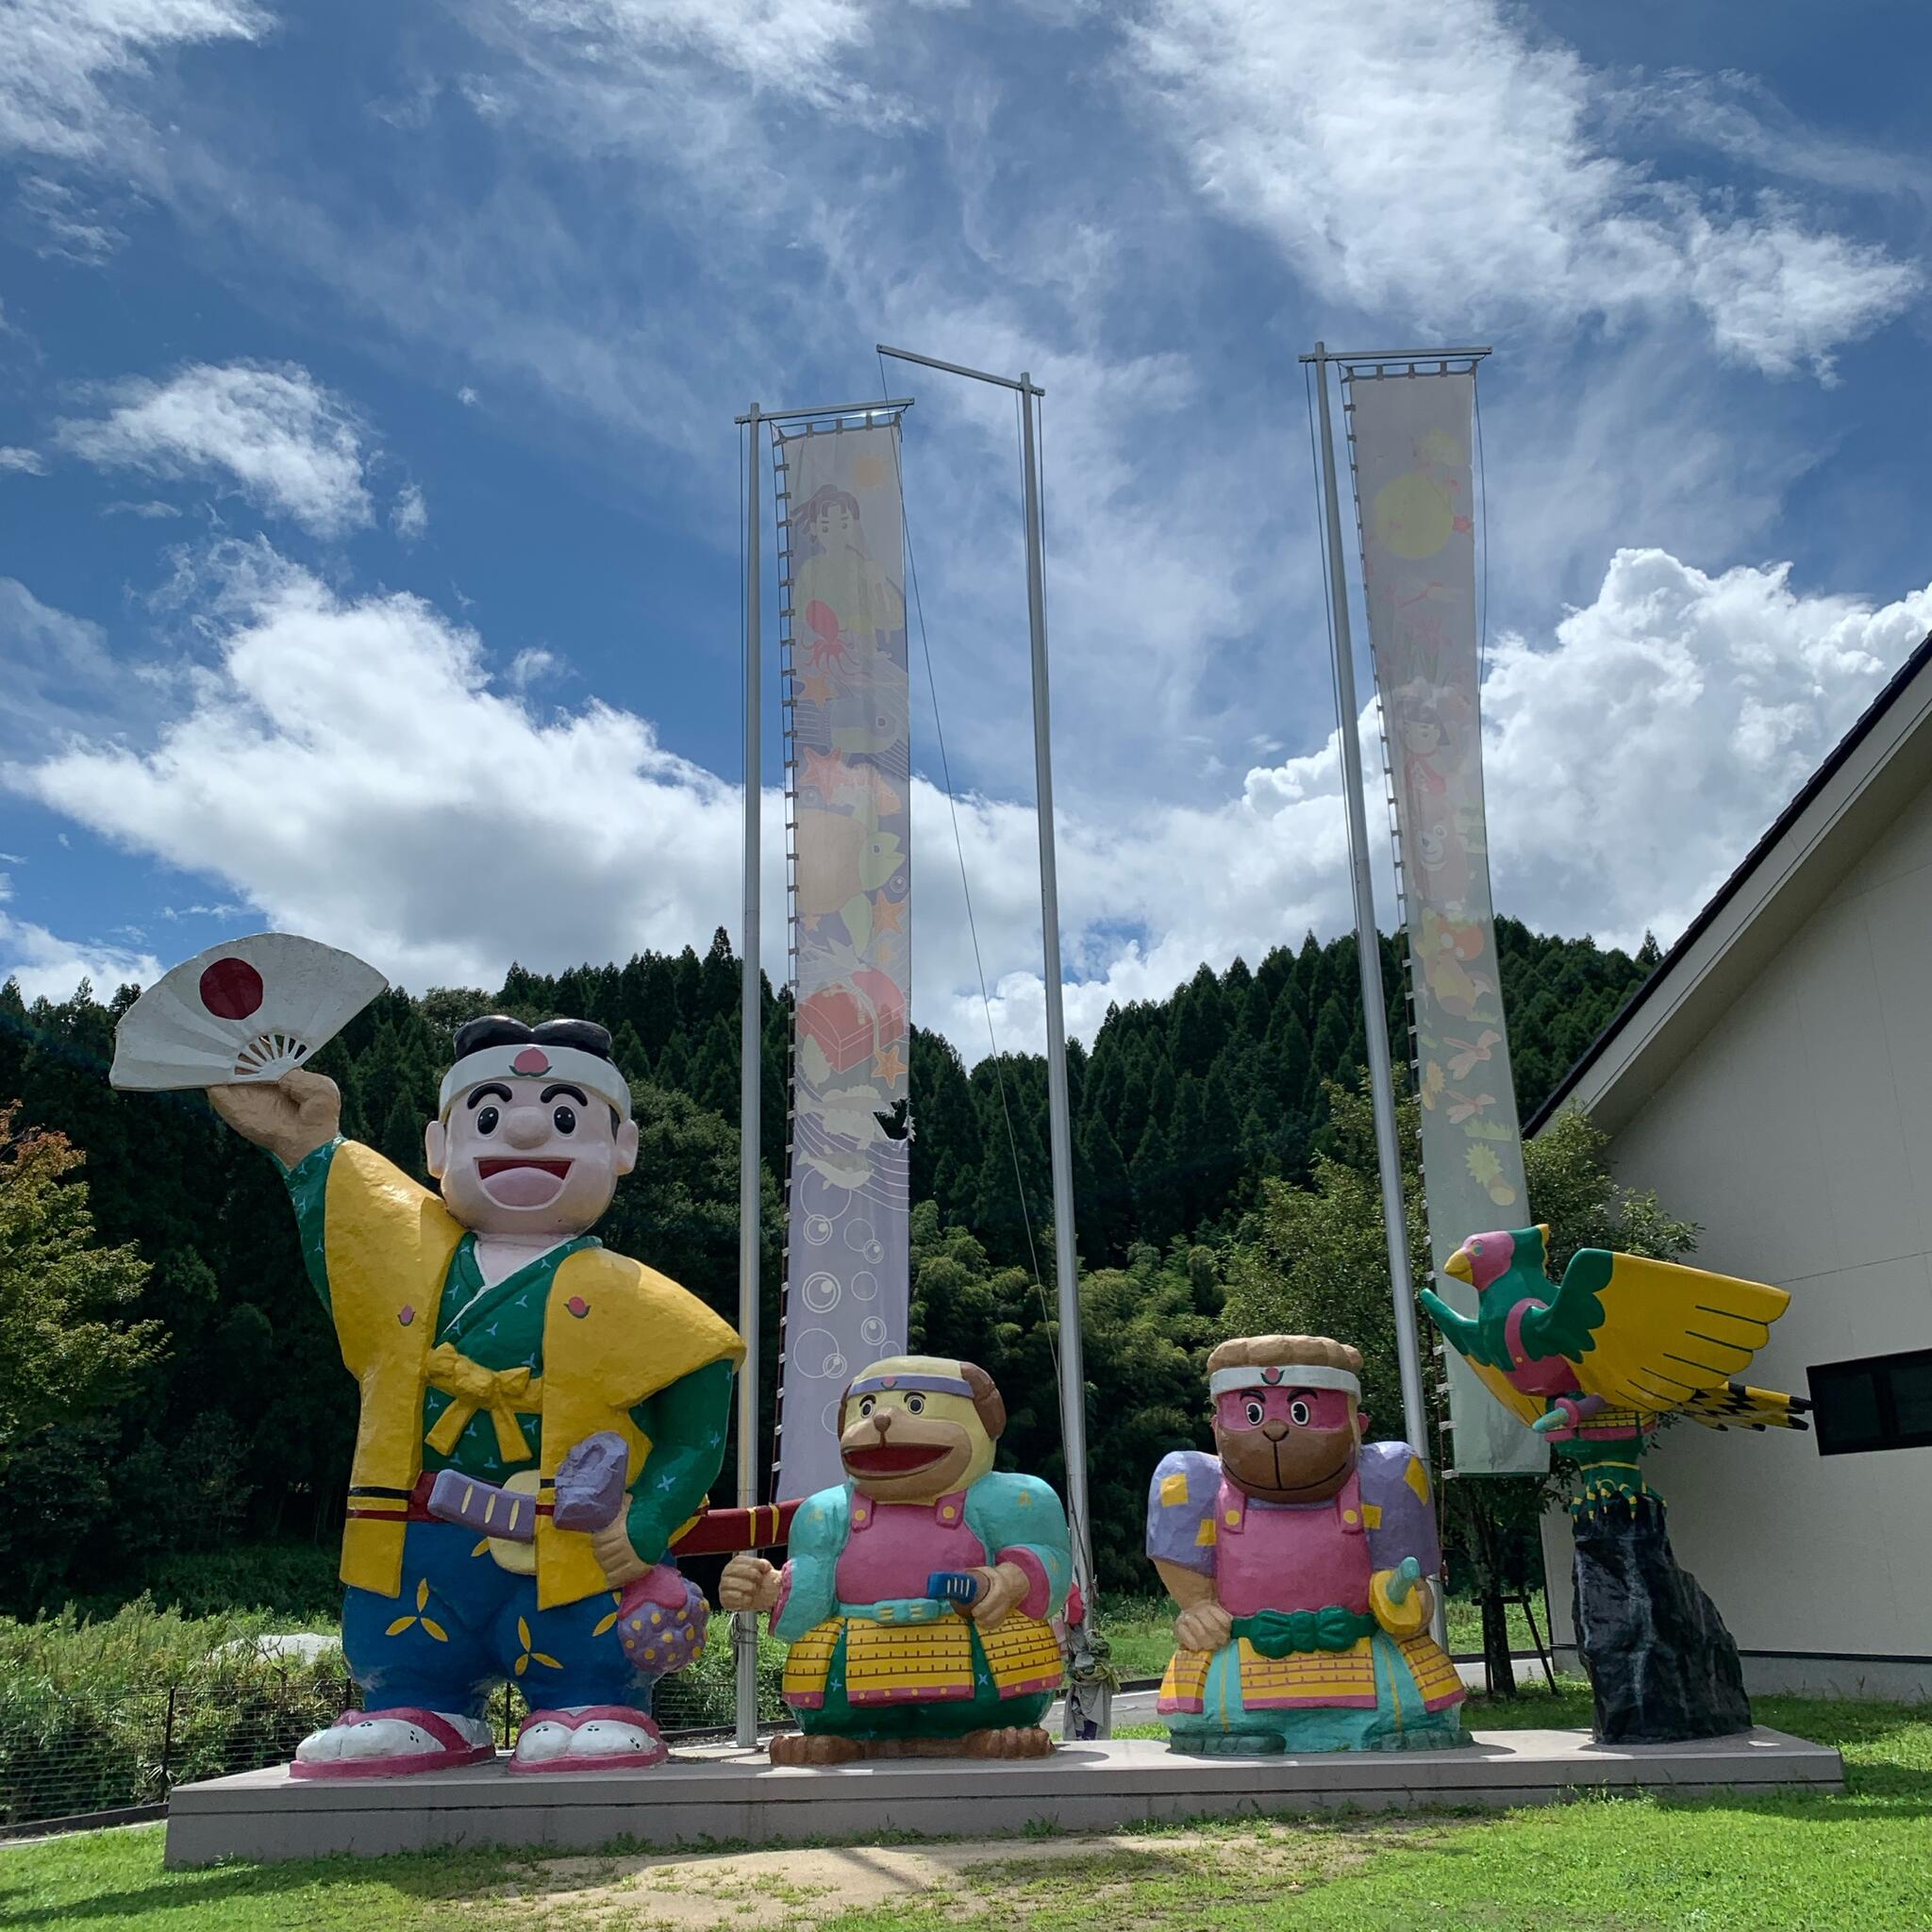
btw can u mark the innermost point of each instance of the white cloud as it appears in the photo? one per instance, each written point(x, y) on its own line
point(466, 396)
point(291, 444)
point(1705, 702)
point(152, 511)
point(797, 48)
point(49, 967)
point(46, 966)
point(418, 815)
point(56, 673)
point(410, 517)
point(62, 84)
point(354, 767)
point(1433, 157)
point(25, 462)
point(530, 665)
point(70, 227)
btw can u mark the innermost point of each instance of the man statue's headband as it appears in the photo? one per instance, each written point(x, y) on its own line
point(529, 1059)
point(1285, 1375)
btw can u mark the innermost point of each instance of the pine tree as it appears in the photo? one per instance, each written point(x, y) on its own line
point(401, 1140)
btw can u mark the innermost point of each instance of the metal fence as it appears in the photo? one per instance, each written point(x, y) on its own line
point(89, 1761)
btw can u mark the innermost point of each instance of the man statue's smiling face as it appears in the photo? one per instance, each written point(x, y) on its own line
point(523, 1158)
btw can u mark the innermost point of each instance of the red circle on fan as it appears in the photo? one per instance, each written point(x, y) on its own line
point(231, 989)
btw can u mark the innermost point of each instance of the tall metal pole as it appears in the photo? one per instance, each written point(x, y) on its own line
point(1415, 1415)
point(1089, 1700)
point(1059, 1127)
point(744, 1629)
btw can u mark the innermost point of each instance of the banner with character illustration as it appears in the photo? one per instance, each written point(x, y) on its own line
point(849, 773)
point(1411, 453)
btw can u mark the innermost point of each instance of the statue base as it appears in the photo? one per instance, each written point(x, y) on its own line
point(708, 1793)
point(1661, 1664)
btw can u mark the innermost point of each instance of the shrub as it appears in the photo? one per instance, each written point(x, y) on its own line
point(99, 1714)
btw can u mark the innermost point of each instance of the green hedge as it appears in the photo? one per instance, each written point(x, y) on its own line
point(96, 1714)
point(295, 1585)
point(100, 1713)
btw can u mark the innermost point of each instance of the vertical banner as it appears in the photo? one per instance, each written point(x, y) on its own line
point(1411, 460)
point(849, 770)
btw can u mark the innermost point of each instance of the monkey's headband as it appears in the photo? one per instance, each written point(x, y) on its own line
point(525, 1059)
point(927, 1385)
point(1288, 1376)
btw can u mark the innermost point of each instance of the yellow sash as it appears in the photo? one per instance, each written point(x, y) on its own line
point(388, 1244)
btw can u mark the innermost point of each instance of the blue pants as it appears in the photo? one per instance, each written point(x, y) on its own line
point(461, 1623)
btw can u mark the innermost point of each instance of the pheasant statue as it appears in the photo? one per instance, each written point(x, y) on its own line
point(1595, 1366)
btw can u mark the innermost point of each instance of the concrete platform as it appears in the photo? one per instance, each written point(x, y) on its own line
point(723, 1793)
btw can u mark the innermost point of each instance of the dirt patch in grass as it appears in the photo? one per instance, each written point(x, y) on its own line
point(1126, 1881)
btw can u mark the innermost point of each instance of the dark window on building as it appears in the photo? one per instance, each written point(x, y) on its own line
point(1884, 1402)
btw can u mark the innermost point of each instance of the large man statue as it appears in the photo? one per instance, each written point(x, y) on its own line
point(491, 1334)
point(1301, 1558)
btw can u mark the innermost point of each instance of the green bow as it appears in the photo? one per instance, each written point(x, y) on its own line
point(1281, 1633)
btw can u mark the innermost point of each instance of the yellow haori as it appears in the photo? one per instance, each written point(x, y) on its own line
point(390, 1244)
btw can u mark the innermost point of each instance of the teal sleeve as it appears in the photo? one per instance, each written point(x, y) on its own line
point(1020, 1513)
point(686, 1424)
point(817, 1542)
point(307, 1182)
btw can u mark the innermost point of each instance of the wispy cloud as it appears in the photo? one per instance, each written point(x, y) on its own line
point(66, 225)
point(409, 515)
point(1434, 158)
point(151, 510)
point(65, 83)
point(286, 441)
point(795, 48)
point(25, 462)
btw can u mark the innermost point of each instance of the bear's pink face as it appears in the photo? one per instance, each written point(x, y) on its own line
point(1287, 1444)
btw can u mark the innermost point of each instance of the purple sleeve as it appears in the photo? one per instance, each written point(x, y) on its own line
point(1401, 1511)
point(1181, 1510)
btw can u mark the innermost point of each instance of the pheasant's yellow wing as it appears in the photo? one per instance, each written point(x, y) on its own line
point(1525, 1408)
point(1670, 1337)
point(1737, 1406)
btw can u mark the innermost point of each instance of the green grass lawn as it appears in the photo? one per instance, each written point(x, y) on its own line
point(1857, 1863)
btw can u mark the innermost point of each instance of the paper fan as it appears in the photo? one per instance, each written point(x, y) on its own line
point(240, 1013)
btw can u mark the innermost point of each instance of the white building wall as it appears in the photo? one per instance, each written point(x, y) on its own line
point(1799, 1133)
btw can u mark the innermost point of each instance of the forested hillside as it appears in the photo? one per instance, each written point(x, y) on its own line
point(239, 1430)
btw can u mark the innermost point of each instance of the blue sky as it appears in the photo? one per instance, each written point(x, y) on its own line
point(368, 482)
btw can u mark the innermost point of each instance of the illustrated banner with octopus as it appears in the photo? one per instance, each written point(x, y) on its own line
point(847, 1263)
point(1411, 452)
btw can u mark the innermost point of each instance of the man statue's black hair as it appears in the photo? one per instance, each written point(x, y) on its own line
point(499, 1029)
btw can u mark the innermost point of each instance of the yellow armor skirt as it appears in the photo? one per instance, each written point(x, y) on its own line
point(1343, 1679)
point(924, 1662)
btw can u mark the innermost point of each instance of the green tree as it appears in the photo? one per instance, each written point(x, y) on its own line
point(65, 1349)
